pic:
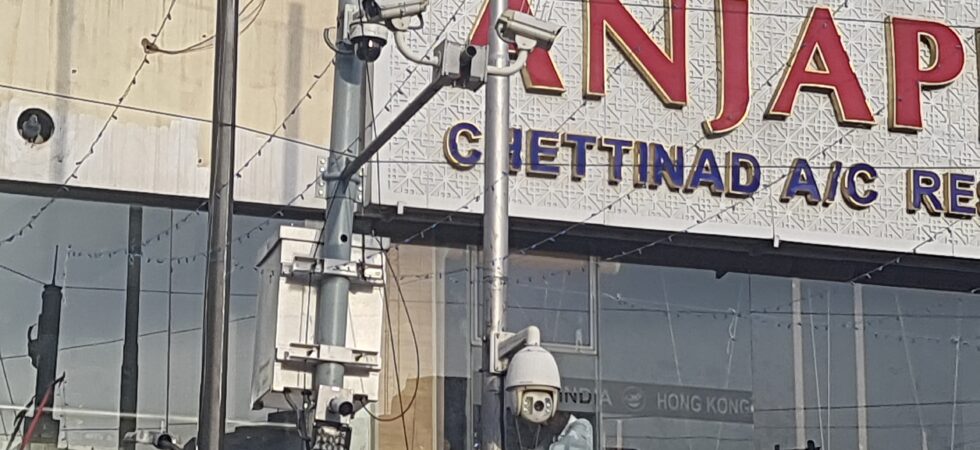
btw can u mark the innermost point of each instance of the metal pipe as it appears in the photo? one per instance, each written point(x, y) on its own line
point(210, 435)
point(495, 231)
point(391, 129)
point(401, 41)
point(346, 128)
point(513, 68)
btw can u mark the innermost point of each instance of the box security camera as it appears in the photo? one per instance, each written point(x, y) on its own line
point(526, 31)
point(393, 9)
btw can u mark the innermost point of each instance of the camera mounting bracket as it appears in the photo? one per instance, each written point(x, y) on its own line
point(505, 344)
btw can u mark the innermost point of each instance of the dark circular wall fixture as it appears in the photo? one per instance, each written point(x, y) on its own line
point(35, 126)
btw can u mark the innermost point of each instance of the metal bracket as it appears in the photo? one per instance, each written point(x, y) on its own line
point(314, 269)
point(504, 344)
point(356, 362)
point(321, 181)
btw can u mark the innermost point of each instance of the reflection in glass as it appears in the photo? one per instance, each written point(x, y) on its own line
point(675, 358)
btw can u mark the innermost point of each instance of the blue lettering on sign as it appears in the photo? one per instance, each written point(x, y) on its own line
point(833, 182)
point(457, 157)
point(542, 152)
point(959, 188)
point(668, 167)
point(641, 165)
point(865, 174)
point(744, 175)
point(579, 144)
point(652, 165)
point(705, 172)
point(516, 145)
point(801, 182)
point(921, 192)
point(616, 148)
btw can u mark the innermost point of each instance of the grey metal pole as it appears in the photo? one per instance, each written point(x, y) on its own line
point(346, 126)
point(495, 228)
point(129, 379)
point(211, 418)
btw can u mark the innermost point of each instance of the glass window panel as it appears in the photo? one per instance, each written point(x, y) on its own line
point(94, 278)
point(674, 356)
point(552, 293)
point(921, 352)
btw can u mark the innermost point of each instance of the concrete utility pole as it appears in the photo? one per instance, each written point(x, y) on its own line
point(345, 138)
point(211, 418)
point(495, 227)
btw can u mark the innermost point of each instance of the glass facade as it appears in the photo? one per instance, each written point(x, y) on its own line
point(653, 357)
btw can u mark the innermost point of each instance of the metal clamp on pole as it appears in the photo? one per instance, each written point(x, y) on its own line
point(356, 362)
point(360, 273)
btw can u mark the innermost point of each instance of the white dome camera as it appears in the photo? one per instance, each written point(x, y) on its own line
point(532, 384)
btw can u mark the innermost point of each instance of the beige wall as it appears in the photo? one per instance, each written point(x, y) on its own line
point(423, 300)
point(90, 49)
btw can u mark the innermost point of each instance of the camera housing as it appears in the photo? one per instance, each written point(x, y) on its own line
point(532, 384)
point(368, 39)
point(380, 10)
point(158, 439)
point(526, 30)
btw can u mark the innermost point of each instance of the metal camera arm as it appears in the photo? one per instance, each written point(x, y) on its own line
point(400, 27)
point(463, 66)
point(506, 344)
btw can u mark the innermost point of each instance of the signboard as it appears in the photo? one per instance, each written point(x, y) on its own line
point(635, 400)
point(856, 125)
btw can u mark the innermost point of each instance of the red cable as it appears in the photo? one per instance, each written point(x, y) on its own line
point(38, 413)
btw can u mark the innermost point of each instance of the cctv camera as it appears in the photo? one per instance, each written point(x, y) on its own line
point(342, 406)
point(392, 9)
point(158, 439)
point(532, 384)
point(368, 39)
point(526, 31)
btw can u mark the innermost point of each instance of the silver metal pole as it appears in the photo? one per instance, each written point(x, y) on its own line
point(218, 282)
point(495, 228)
point(345, 138)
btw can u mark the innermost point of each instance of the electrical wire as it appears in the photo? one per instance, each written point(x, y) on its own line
point(156, 112)
point(120, 340)
point(10, 392)
point(170, 321)
point(109, 253)
point(279, 213)
point(64, 186)
point(301, 419)
point(22, 275)
point(411, 326)
point(367, 75)
point(248, 17)
point(446, 28)
point(721, 164)
point(394, 360)
point(713, 10)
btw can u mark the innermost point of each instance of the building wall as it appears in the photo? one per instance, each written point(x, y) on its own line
point(630, 109)
point(75, 59)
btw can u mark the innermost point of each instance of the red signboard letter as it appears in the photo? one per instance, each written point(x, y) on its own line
point(733, 66)
point(664, 71)
point(821, 63)
point(541, 74)
point(907, 77)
